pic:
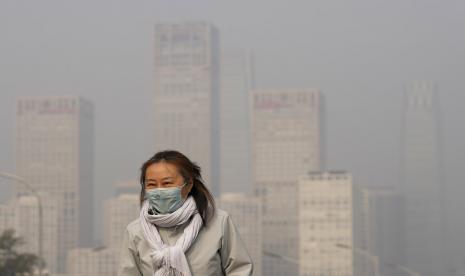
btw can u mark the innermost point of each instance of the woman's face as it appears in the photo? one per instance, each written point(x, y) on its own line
point(165, 175)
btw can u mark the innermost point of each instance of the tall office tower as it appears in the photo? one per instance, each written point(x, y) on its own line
point(422, 182)
point(99, 261)
point(54, 153)
point(286, 143)
point(378, 230)
point(119, 212)
point(285, 134)
point(246, 213)
point(325, 224)
point(186, 94)
point(236, 81)
point(27, 223)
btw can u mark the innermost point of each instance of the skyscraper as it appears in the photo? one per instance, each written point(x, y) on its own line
point(286, 133)
point(378, 229)
point(54, 152)
point(236, 81)
point(325, 219)
point(286, 143)
point(422, 182)
point(186, 94)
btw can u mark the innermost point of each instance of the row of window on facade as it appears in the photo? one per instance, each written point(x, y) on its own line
point(286, 97)
point(180, 59)
point(32, 104)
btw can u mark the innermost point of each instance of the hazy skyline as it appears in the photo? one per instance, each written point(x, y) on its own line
point(360, 54)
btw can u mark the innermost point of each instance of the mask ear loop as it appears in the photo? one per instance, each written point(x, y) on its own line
point(183, 185)
point(186, 183)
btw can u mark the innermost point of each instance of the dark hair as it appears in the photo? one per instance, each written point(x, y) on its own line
point(191, 173)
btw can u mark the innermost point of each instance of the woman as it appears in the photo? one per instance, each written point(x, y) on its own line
point(179, 231)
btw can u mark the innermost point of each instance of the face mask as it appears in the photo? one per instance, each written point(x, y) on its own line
point(165, 200)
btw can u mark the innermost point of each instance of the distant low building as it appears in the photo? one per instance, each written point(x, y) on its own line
point(245, 211)
point(118, 213)
point(99, 261)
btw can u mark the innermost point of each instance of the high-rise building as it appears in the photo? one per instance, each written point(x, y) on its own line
point(286, 130)
point(246, 213)
point(378, 229)
point(285, 133)
point(422, 182)
point(236, 81)
point(54, 153)
point(186, 94)
point(326, 224)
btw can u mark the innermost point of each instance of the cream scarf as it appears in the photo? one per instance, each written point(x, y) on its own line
point(170, 260)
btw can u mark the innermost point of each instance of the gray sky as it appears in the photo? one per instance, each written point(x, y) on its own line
point(359, 53)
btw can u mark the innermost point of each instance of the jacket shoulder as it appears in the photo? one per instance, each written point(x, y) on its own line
point(219, 218)
point(134, 226)
point(221, 214)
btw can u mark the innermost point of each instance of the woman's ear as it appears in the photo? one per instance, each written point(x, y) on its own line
point(190, 185)
point(188, 188)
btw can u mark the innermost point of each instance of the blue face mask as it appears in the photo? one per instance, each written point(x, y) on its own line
point(165, 200)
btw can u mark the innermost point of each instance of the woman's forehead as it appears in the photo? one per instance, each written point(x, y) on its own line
point(161, 170)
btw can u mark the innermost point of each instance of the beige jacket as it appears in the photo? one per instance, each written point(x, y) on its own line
point(218, 249)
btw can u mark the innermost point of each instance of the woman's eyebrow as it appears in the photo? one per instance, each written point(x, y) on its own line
point(154, 180)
